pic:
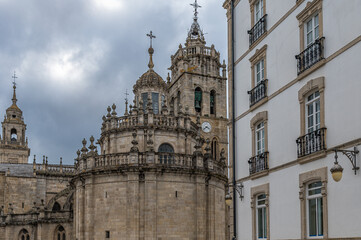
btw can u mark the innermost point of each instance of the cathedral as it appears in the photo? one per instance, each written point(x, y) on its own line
point(158, 171)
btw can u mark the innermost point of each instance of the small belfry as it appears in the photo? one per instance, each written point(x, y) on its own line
point(14, 144)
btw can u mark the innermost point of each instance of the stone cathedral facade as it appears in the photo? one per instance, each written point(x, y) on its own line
point(157, 172)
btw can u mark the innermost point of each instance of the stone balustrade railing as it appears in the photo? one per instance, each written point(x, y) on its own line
point(53, 169)
point(149, 159)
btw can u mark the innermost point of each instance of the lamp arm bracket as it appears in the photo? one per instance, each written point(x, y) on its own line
point(351, 155)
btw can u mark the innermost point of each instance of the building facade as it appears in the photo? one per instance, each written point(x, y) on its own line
point(159, 171)
point(294, 90)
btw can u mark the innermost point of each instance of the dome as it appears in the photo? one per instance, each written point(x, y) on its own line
point(150, 79)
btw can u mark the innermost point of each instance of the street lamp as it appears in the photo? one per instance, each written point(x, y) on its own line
point(337, 170)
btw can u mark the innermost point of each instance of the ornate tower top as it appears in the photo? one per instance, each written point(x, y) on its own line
point(13, 143)
point(195, 32)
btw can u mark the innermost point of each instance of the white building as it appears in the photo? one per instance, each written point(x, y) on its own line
point(291, 114)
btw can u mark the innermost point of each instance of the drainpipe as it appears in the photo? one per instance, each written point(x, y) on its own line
point(233, 133)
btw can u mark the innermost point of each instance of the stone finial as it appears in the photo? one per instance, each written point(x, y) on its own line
point(208, 148)
point(149, 104)
point(104, 118)
point(43, 159)
point(61, 161)
point(141, 106)
point(186, 110)
point(34, 161)
point(11, 209)
point(180, 109)
point(134, 148)
point(46, 162)
point(84, 150)
point(171, 108)
point(109, 110)
point(168, 79)
point(92, 147)
point(180, 46)
point(78, 153)
point(114, 113)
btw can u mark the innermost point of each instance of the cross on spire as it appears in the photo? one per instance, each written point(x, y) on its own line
point(126, 102)
point(151, 36)
point(196, 6)
point(14, 82)
point(14, 77)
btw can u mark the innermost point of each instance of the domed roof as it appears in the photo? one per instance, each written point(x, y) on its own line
point(150, 78)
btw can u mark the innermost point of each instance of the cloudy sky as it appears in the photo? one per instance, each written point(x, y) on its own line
point(73, 58)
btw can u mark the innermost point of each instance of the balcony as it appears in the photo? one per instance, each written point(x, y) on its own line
point(258, 93)
point(310, 56)
point(258, 163)
point(311, 142)
point(258, 30)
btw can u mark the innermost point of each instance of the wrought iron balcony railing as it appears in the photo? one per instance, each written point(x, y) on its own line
point(258, 93)
point(258, 163)
point(310, 56)
point(257, 30)
point(311, 142)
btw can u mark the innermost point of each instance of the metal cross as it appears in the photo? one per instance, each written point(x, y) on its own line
point(14, 77)
point(126, 95)
point(196, 6)
point(150, 35)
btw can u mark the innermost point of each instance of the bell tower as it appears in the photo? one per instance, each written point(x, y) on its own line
point(198, 83)
point(13, 143)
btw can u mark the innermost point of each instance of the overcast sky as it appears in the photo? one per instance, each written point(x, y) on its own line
point(73, 58)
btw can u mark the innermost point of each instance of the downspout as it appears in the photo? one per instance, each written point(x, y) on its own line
point(233, 133)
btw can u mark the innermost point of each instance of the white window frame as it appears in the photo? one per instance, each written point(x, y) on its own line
point(258, 11)
point(315, 25)
point(259, 71)
point(263, 208)
point(260, 138)
point(319, 198)
point(313, 100)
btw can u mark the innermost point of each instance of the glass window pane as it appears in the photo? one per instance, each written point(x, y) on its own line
point(320, 216)
point(315, 184)
point(260, 223)
point(155, 102)
point(145, 100)
point(312, 217)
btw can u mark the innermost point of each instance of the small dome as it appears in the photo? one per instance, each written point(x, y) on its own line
point(150, 79)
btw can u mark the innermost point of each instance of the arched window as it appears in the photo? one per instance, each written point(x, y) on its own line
point(166, 154)
point(60, 233)
point(198, 99)
point(56, 207)
point(24, 235)
point(212, 102)
point(13, 135)
point(214, 149)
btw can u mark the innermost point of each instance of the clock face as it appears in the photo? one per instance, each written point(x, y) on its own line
point(206, 127)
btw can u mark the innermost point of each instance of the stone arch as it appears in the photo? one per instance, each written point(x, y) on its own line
point(212, 102)
point(56, 207)
point(198, 95)
point(215, 148)
point(64, 193)
point(59, 233)
point(24, 234)
point(13, 135)
point(166, 153)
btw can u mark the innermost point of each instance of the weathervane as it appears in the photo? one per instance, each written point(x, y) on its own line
point(196, 6)
point(151, 36)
